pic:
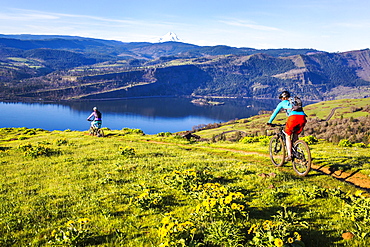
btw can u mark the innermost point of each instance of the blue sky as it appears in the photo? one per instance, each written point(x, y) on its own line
point(329, 25)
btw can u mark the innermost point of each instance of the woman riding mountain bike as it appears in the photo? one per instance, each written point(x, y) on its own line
point(96, 122)
point(295, 123)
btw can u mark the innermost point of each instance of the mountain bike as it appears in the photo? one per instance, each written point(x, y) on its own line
point(301, 154)
point(95, 131)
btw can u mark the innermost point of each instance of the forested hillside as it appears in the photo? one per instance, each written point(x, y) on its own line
point(69, 68)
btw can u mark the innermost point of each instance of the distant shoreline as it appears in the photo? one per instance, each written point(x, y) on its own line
point(34, 100)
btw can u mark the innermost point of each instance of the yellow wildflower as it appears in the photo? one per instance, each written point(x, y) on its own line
point(212, 202)
point(162, 232)
point(278, 242)
point(228, 199)
point(197, 208)
point(166, 220)
point(83, 220)
point(297, 236)
point(188, 223)
point(290, 240)
point(170, 225)
point(267, 224)
point(358, 193)
point(165, 244)
point(70, 222)
point(253, 227)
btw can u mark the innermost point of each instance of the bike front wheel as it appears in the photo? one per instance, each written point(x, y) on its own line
point(100, 133)
point(302, 158)
point(91, 131)
point(277, 151)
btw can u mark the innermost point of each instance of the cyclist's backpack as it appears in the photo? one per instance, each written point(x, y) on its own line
point(297, 103)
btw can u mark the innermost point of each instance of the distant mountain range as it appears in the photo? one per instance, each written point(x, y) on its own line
point(44, 67)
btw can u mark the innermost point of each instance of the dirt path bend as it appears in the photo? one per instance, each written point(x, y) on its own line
point(357, 179)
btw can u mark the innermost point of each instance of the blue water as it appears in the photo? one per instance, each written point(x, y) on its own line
point(152, 115)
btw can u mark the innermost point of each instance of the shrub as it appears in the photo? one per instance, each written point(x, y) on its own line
point(175, 233)
point(359, 145)
point(187, 180)
point(148, 199)
point(60, 142)
point(127, 151)
point(345, 143)
point(133, 131)
point(35, 151)
point(248, 139)
point(72, 234)
point(164, 134)
point(264, 140)
point(223, 233)
point(310, 140)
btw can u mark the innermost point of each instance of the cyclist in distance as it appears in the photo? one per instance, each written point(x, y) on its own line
point(97, 121)
point(295, 123)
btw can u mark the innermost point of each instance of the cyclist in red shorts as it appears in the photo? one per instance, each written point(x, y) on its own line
point(295, 123)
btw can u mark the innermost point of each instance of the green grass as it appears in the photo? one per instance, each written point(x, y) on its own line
point(127, 189)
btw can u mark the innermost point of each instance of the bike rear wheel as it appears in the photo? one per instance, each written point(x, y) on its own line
point(302, 158)
point(277, 151)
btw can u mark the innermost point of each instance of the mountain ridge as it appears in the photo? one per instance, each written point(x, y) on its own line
point(58, 68)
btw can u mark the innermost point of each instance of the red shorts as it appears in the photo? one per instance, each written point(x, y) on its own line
point(295, 124)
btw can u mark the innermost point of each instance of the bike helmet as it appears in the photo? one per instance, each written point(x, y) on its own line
point(284, 94)
point(95, 108)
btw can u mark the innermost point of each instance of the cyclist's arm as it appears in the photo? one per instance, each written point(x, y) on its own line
point(276, 111)
point(91, 115)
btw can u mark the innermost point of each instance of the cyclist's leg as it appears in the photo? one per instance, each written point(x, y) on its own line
point(289, 127)
point(300, 122)
point(288, 143)
point(294, 137)
point(95, 124)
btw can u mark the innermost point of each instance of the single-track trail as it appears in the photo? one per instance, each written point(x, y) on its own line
point(355, 178)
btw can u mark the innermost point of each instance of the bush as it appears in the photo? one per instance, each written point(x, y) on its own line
point(345, 143)
point(60, 142)
point(35, 151)
point(310, 140)
point(127, 151)
point(359, 145)
point(164, 134)
point(248, 139)
point(264, 140)
point(133, 131)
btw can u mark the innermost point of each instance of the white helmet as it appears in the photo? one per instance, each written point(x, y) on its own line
point(95, 108)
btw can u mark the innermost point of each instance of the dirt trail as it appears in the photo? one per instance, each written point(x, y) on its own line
point(356, 179)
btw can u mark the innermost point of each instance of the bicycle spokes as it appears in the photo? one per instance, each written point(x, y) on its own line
point(277, 151)
point(302, 158)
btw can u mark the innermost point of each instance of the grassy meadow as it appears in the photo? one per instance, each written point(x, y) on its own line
point(66, 188)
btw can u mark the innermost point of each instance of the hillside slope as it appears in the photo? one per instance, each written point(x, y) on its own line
point(129, 189)
point(63, 68)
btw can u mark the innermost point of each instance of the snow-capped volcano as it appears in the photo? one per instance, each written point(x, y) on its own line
point(170, 36)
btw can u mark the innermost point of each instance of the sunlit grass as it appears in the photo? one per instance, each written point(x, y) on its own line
point(118, 189)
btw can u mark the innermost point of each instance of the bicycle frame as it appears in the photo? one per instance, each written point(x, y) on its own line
point(301, 155)
point(94, 130)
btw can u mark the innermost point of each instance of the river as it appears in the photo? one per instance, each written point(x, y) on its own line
point(151, 115)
